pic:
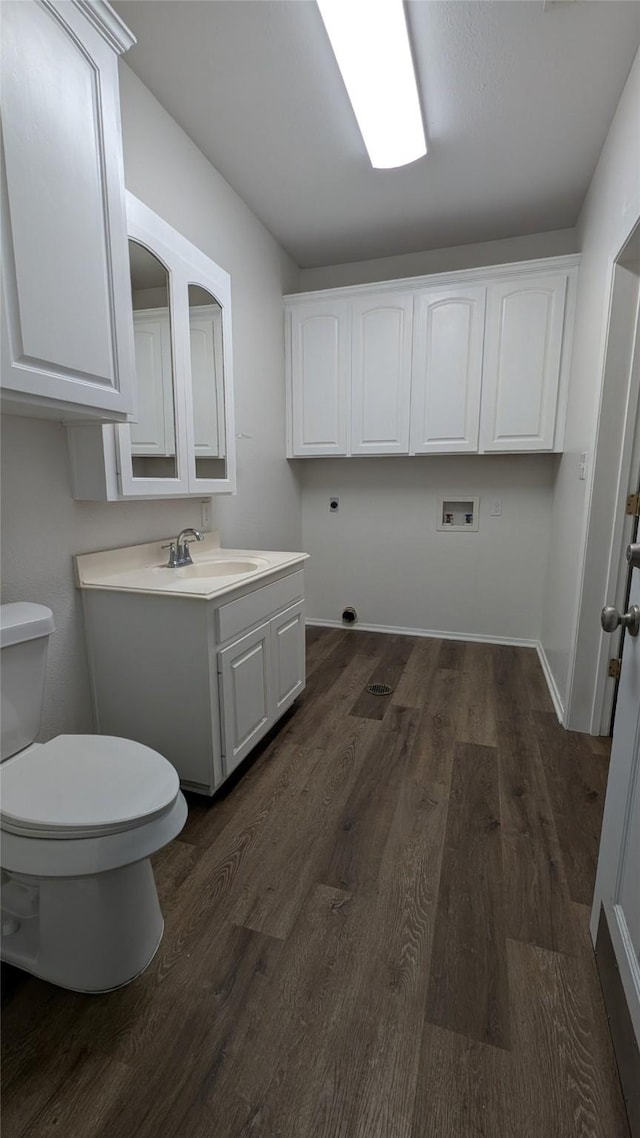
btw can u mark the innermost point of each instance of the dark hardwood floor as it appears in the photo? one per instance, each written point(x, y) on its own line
point(379, 931)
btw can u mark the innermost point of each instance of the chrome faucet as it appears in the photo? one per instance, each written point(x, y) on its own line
point(179, 553)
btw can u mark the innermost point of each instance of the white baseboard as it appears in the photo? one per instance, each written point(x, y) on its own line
point(435, 634)
point(556, 699)
point(476, 638)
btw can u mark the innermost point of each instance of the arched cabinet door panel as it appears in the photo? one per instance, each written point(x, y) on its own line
point(522, 361)
point(67, 328)
point(447, 370)
point(381, 373)
point(318, 372)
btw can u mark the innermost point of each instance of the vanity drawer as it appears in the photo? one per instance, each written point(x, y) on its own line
point(235, 617)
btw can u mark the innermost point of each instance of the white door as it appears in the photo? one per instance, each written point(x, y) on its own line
point(287, 656)
point(318, 366)
point(522, 356)
point(381, 373)
point(617, 890)
point(245, 694)
point(448, 339)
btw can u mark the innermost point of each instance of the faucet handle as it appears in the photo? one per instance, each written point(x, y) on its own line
point(185, 553)
point(173, 556)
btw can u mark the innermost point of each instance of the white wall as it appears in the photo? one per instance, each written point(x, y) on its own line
point(42, 526)
point(527, 248)
point(382, 553)
point(578, 556)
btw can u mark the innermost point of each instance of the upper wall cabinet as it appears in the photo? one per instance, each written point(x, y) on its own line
point(67, 338)
point(182, 442)
point(468, 362)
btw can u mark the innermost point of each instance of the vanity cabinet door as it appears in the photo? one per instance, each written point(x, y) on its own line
point(287, 656)
point(522, 360)
point(319, 369)
point(447, 370)
point(67, 327)
point(381, 373)
point(245, 694)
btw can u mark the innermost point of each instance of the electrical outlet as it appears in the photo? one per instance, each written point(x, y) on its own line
point(582, 465)
point(496, 507)
point(334, 504)
point(205, 514)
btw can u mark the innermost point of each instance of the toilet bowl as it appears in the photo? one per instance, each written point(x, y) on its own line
point(80, 817)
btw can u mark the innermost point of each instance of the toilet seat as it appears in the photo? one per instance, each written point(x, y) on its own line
point(85, 786)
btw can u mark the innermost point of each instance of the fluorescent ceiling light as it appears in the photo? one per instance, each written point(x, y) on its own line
point(371, 44)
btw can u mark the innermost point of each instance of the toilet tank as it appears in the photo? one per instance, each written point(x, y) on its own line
point(25, 629)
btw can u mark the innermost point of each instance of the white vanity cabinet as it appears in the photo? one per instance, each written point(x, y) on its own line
point(469, 362)
point(201, 681)
point(67, 337)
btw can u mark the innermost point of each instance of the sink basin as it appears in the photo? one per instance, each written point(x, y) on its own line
point(221, 568)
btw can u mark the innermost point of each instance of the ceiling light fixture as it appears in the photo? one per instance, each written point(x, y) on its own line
point(371, 44)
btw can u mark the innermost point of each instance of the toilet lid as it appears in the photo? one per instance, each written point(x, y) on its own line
point(80, 786)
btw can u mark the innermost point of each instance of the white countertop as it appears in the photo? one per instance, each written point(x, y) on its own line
point(143, 569)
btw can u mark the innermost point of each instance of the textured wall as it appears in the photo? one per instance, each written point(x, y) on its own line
point(382, 553)
point(580, 534)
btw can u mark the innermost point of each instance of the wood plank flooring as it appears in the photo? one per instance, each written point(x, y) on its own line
point(380, 930)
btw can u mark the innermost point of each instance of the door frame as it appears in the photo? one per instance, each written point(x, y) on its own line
point(627, 480)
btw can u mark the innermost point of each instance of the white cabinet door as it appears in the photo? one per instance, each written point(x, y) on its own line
point(153, 433)
point(68, 339)
point(319, 364)
point(207, 390)
point(287, 656)
point(245, 694)
point(522, 355)
point(447, 370)
point(381, 373)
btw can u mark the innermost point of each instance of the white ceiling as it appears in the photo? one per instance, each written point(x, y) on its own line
point(517, 96)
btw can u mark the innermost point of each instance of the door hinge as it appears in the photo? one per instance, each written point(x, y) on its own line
point(614, 668)
point(633, 505)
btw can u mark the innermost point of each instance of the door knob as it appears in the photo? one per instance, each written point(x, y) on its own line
point(633, 556)
point(610, 619)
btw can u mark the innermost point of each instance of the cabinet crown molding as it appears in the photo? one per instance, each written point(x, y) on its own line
point(107, 22)
point(480, 274)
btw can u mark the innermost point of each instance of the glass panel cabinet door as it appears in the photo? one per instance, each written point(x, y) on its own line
point(205, 342)
point(182, 440)
point(152, 459)
point(209, 331)
point(153, 436)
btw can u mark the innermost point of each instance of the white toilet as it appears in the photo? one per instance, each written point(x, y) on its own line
point(80, 817)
